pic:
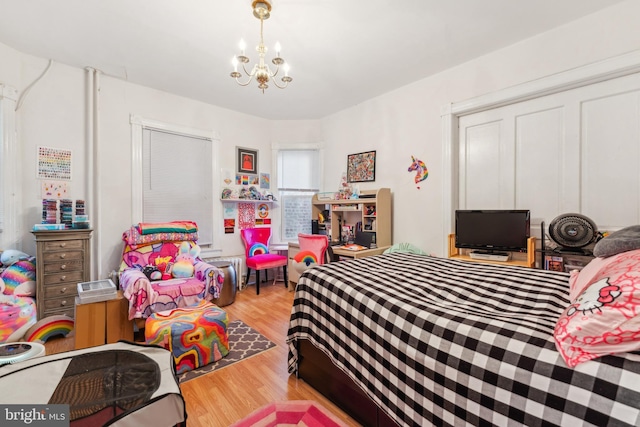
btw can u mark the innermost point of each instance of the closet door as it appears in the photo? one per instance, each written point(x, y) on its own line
point(576, 151)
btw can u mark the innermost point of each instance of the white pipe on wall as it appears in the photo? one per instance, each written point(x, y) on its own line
point(89, 202)
point(96, 176)
point(10, 180)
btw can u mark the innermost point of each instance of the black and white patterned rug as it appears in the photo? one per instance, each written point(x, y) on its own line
point(244, 342)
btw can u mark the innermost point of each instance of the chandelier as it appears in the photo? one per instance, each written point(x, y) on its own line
point(261, 71)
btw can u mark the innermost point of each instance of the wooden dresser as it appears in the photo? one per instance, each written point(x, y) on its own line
point(63, 260)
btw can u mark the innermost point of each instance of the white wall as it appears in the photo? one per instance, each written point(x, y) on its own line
point(406, 122)
point(399, 124)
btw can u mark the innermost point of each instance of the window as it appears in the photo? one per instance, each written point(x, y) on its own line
point(298, 173)
point(174, 176)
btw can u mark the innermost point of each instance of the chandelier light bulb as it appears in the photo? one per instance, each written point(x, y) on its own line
point(234, 62)
point(286, 68)
point(243, 46)
point(277, 47)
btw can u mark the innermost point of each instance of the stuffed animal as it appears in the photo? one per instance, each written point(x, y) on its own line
point(152, 272)
point(17, 315)
point(11, 256)
point(183, 265)
point(19, 278)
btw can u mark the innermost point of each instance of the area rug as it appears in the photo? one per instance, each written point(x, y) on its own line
point(291, 413)
point(244, 342)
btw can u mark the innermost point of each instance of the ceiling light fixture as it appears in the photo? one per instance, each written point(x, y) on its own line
point(261, 71)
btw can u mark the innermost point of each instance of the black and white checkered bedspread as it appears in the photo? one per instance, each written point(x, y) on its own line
point(435, 341)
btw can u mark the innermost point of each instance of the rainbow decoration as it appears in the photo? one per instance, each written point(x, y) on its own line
point(49, 327)
point(258, 249)
point(303, 260)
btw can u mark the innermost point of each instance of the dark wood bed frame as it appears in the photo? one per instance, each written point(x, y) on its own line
point(317, 370)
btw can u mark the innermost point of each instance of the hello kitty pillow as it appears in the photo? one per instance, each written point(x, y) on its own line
point(604, 314)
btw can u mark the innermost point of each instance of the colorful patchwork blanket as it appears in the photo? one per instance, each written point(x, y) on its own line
point(147, 297)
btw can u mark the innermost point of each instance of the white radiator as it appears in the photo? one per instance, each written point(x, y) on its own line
point(238, 265)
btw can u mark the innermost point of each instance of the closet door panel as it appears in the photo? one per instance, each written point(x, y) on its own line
point(539, 162)
point(482, 170)
point(610, 174)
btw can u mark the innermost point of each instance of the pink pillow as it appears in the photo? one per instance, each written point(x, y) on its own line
point(603, 317)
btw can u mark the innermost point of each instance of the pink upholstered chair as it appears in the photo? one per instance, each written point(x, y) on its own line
point(256, 249)
point(313, 250)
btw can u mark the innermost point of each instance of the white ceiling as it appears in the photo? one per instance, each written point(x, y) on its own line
point(341, 52)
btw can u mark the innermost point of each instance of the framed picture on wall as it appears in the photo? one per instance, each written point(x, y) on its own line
point(361, 167)
point(247, 161)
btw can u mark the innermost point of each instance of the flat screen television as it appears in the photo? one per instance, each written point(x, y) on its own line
point(490, 231)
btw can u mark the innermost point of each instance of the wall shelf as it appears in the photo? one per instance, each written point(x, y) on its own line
point(246, 201)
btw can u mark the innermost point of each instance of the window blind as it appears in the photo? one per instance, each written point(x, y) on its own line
point(178, 180)
point(298, 170)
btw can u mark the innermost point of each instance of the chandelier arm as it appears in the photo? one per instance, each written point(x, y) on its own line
point(250, 74)
point(275, 82)
point(244, 84)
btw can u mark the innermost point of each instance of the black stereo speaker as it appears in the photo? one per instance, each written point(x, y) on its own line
point(314, 227)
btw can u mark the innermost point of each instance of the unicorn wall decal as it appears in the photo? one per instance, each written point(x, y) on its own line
point(421, 170)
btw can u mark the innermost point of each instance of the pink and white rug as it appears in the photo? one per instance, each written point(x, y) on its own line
point(291, 413)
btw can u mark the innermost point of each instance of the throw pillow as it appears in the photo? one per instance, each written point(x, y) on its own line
point(258, 249)
point(626, 239)
point(604, 318)
point(303, 260)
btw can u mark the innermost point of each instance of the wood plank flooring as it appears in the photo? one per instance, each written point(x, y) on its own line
point(229, 394)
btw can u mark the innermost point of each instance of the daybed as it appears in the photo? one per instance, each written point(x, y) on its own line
point(417, 340)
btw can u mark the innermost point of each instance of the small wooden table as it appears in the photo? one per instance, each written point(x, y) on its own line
point(102, 322)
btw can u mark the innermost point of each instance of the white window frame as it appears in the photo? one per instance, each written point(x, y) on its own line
point(138, 125)
point(10, 192)
point(274, 156)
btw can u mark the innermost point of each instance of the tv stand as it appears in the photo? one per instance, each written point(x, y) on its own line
point(529, 261)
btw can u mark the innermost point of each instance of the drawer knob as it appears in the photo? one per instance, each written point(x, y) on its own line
point(63, 266)
point(63, 290)
point(63, 278)
point(63, 244)
point(63, 302)
point(63, 256)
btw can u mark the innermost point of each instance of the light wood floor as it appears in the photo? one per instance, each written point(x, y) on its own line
point(228, 395)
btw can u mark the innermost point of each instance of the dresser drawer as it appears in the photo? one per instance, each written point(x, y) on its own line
point(59, 267)
point(68, 311)
point(57, 245)
point(62, 256)
point(60, 303)
point(60, 278)
point(58, 291)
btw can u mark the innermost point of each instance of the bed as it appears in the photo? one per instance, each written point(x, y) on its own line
point(416, 340)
